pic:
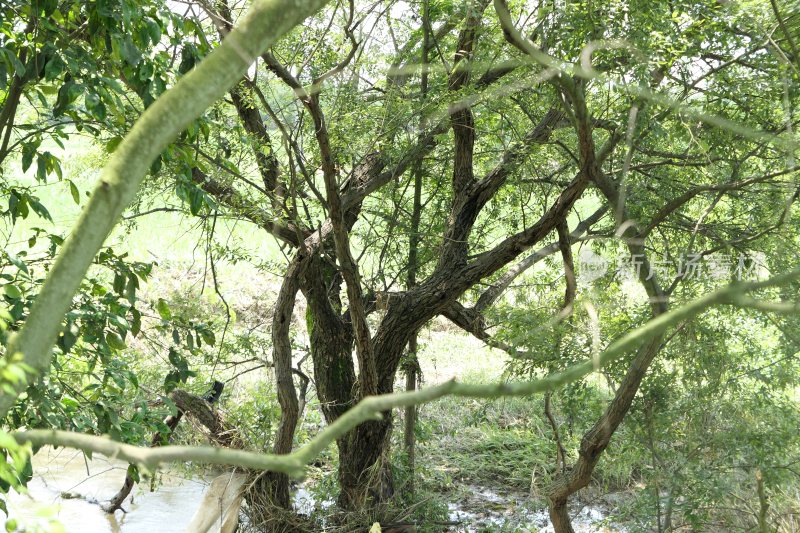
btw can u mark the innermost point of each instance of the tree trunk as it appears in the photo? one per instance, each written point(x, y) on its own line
point(559, 516)
point(363, 474)
point(330, 337)
point(596, 440)
point(410, 417)
point(364, 477)
point(331, 340)
point(270, 492)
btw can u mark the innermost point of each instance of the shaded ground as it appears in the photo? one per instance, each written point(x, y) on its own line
point(483, 509)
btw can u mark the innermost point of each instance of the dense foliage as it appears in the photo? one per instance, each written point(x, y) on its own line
point(546, 176)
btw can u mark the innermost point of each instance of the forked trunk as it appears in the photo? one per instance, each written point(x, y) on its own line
point(365, 478)
point(597, 439)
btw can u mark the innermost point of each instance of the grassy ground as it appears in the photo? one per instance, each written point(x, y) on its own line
point(164, 237)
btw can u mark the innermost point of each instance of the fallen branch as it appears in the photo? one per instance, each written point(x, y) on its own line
point(186, 403)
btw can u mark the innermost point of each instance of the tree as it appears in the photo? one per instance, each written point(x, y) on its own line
point(591, 117)
point(562, 120)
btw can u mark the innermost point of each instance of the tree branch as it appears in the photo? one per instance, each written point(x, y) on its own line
point(370, 408)
point(123, 174)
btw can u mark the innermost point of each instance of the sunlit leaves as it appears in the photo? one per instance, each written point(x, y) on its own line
point(180, 373)
point(15, 465)
point(163, 309)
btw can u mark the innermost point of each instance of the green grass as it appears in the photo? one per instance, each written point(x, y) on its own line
point(159, 236)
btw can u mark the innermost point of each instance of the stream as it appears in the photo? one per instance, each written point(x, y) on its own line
point(66, 487)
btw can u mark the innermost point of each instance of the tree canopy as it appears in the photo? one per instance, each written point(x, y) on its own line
point(593, 190)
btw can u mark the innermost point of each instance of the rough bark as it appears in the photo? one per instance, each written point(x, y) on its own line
point(364, 477)
point(410, 311)
point(262, 144)
point(10, 104)
point(331, 340)
point(273, 487)
point(248, 112)
point(332, 335)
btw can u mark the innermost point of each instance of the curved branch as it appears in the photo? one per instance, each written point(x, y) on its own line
point(232, 198)
point(497, 288)
point(679, 201)
point(371, 407)
point(122, 176)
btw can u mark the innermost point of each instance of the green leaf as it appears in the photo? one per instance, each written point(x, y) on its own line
point(28, 151)
point(12, 291)
point(112, 144)
point(163, 309)
point(63, 99)
point(55, 164)
point(48, 7)
point(174, 358)
point(19, 68)
point(26, 474)
point(129, 52)
point(133, 472)
point(119, 283)
point(17, 262)
point(69, 402)
point(54, 68)
point(136, 322)
point(95, 106)
point(115, 341)
point(120, 323)
point(130, 288)
point(41, 168)
point(76, 195)
point(154, 30)
point(196, 202)
point(208, 337)
point(39, 208)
